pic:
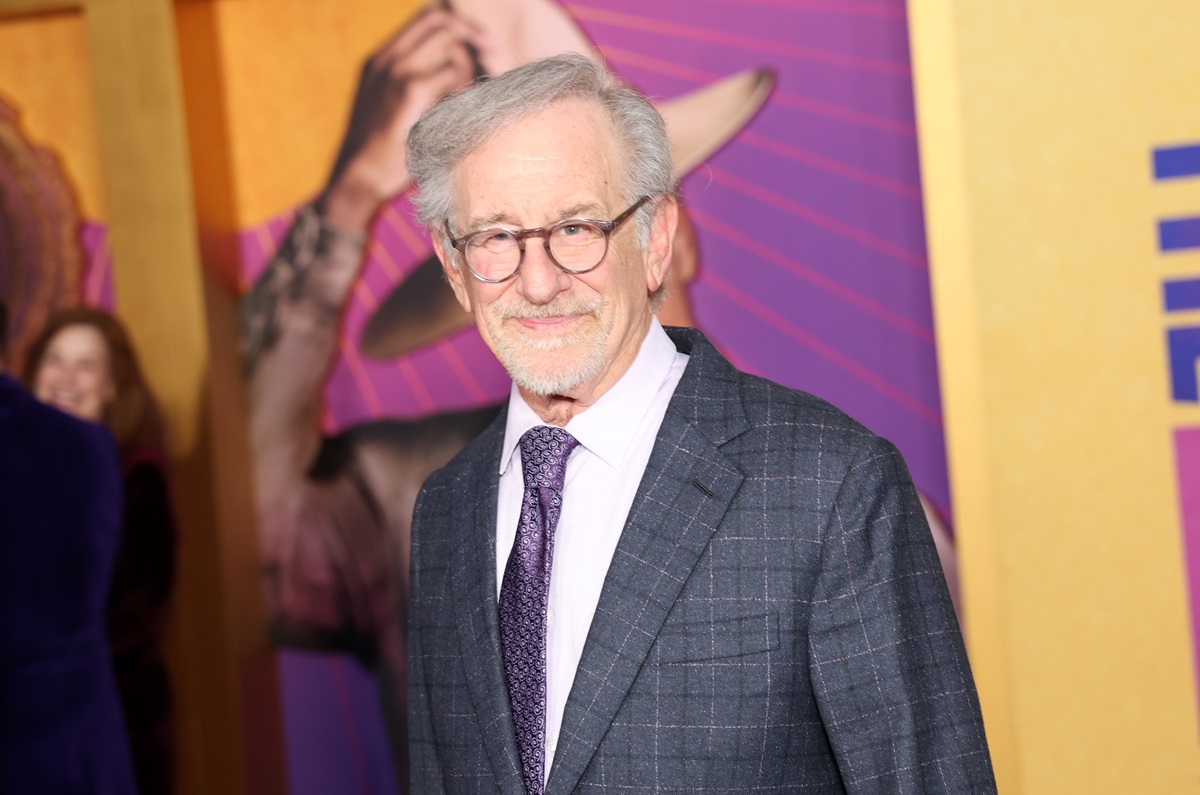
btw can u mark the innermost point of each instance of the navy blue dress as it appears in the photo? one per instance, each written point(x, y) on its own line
point(61, 729)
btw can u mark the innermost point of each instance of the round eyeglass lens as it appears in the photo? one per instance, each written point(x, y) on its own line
point(577, 246)
point(493, 254)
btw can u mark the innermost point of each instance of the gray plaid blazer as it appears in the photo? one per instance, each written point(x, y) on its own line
point(774, 619)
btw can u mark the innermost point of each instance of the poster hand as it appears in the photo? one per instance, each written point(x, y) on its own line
point(428, 58)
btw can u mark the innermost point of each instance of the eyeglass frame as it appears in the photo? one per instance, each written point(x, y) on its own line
point(607, 227)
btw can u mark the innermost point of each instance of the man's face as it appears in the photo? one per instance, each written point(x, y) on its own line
point(558, 333)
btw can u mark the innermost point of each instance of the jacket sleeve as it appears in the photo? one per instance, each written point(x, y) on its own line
point(145, 572)
point(425, 774)
point(887, 660)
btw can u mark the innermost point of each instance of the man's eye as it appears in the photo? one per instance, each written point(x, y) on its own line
point(497, 238)
point(572, 230)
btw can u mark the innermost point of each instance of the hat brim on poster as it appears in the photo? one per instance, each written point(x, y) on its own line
point(422, 309)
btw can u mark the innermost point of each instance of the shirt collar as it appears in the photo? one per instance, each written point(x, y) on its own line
point(608, 426)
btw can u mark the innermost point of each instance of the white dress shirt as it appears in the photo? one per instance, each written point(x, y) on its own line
point(616, 435)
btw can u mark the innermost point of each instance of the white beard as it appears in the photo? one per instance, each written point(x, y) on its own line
point(525, 359)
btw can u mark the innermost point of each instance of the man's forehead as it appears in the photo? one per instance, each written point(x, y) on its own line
point(588, 208)
point(588, 111)
point(583, 120)
point(551, 165)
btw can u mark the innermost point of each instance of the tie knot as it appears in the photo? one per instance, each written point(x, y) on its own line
point(544, 453)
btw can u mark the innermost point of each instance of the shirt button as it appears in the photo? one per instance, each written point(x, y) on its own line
point(551, 743)
point(549, 619)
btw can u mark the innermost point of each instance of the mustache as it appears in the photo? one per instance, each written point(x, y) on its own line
point(556, 308)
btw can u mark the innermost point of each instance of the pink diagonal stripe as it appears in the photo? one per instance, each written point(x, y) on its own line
point(256, 246)
point(266, 242)
point(844, 114)
point(379, 254)
point(410, 238)
point(365, 297)
point(101, 266)
point(361, 379)
point(329, 423)
point(832, 355)
point(367, 302)
point(750, 43)
point(762, 250)
point(461, 370)
point(413, 379)
point(849, 7)
point(1187, 469)
point(810, 158)
point(789, 205)
point(814, 106)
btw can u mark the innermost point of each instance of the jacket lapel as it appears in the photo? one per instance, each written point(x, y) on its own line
point(474, 566)
point(685, 492)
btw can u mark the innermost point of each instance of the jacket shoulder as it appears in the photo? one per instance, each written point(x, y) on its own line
point(44, 429)
point(770, 404)
point(731, 404)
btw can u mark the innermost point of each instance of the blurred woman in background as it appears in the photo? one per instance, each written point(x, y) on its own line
point(84, 364)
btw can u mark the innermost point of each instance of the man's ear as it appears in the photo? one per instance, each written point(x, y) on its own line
point(658, 249)
point(447, 255)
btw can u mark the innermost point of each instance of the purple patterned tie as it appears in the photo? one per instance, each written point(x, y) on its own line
point(526, 590)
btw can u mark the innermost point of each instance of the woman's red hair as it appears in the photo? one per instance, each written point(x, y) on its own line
point(132, 417)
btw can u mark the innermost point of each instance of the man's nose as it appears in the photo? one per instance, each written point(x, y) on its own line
point(539, 280)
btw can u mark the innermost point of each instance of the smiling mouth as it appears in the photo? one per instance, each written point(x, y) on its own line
point(64, 399)
point(558, 319)
point(553, 323)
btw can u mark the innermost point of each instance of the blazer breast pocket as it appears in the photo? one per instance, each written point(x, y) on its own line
point(706, 641)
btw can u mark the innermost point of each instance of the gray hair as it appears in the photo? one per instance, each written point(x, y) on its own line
point(461, 123)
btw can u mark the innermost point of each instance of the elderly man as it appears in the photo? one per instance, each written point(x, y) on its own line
point(652, 572)
point(334, 511)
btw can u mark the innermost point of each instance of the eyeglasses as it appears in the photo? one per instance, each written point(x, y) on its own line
point(576, 245)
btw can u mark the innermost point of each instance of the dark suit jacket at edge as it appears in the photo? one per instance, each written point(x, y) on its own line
point(774, 618)
point(61, 729)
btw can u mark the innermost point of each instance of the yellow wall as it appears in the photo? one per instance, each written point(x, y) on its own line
point(1037, 118)
point(285, 78)
point(44, 75)
point(99, 81)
